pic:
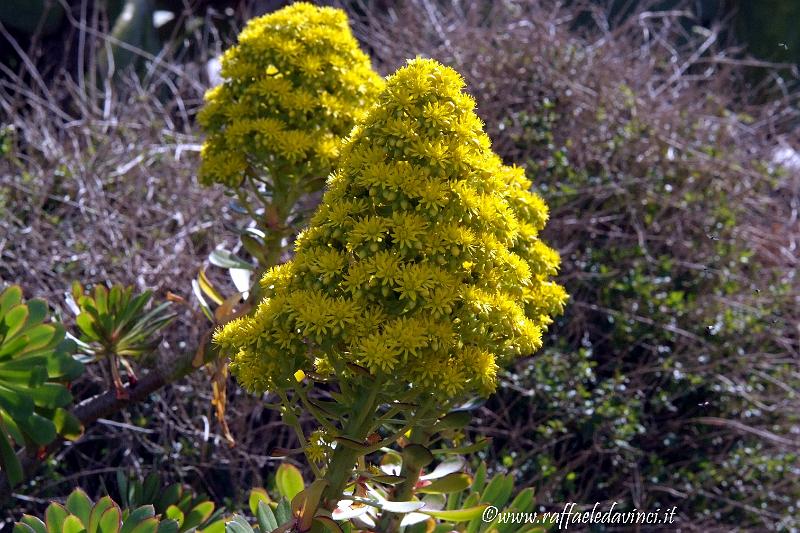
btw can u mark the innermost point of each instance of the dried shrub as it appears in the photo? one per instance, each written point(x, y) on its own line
point(670, 380)
point(98, 184)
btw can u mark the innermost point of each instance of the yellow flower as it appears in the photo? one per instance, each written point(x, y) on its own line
point(423, 266)
point(317, 447)
point(295, 84)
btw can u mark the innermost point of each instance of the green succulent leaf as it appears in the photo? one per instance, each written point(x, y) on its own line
point(458, 515)
point(20, 527)
point(54, 517)
point(499, 490)
point(34, 523)
point(110, 521)
point(266, 518)
point(11, 463)
point(116, 321)
point(238, 524)
point(198, 515)
point(35, 364)
point(72, 524)
point(79, 504)
point(283, 513)
point(455, 482)
point(257, 495)
point(289, 481)
point(98, 513)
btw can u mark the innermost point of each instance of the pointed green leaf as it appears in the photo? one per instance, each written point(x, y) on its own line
point(283, 513)
point(104, 504)
point(54, 517)
point(455, 482)
point(110, 521)
point(21, 527)
point(524, 501)
point(169, 496)
point(499, 490)
point(238, 525)
point(198, 515)
point(150, 488)
point(10, 461)
point(79, 504)
point(73, 524)
point(480, 478)
point(266, 518)
point(458, 515)
point(35, 524)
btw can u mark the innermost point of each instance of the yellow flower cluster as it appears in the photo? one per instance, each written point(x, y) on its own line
point(295, 84)
point(423, 264)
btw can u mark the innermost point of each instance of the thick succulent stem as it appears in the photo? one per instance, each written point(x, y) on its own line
point(357, 428)
point(403, 492)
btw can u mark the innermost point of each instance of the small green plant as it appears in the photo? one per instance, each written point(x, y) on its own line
point(35, 367)
point(115, 326)
point(189, 510)
point(79, 514)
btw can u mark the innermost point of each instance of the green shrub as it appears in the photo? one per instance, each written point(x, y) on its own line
point(35, 367)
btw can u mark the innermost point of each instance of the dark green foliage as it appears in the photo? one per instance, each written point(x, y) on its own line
point(79, 514)
point(189, 510)
point(666, 383)
point(35, 365)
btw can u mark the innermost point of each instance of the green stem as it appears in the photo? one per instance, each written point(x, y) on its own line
point(357, 428)
point(292, 421)
point(318, 415)
point(390, 522)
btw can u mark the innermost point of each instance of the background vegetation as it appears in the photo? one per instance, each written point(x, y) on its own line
point(660, 146)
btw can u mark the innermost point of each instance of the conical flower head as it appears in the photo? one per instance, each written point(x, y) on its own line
point(294, 86)
point(423, 265)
